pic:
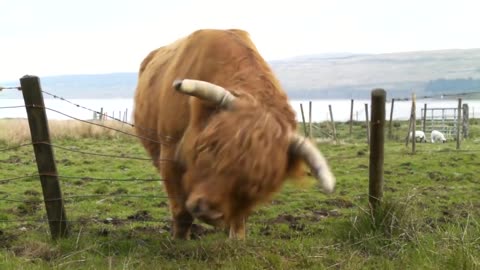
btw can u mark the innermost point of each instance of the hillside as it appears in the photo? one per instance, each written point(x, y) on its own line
point(320, 76)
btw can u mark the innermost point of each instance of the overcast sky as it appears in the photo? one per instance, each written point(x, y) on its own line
point(53, 37)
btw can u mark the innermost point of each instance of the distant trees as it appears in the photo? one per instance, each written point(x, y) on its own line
point(452, 85)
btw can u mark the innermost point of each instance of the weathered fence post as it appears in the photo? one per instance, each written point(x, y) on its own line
point(459, 121)
point(466, 117)
point(367, 123)
point(377, 140)
point(101, 114)
point(412, 125)
point(303, 120)
point(351, 117)
point(414, 122)
point(37, 120)
point(333, 122)
point(310, 119)
point(424, 124)
point(390, 135)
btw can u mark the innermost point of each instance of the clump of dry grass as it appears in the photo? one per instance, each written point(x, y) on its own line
point(17, 131)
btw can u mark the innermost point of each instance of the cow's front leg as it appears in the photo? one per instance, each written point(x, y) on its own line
point(237, 228)
point(172, 177)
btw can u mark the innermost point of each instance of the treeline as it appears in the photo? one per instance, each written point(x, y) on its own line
point(452, 85)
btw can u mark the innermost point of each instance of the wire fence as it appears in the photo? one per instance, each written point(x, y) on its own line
point(163, 139)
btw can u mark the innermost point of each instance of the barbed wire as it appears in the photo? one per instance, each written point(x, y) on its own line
point(15, 147)
point(98, 154)
point(105, 115)
point(10, 87)
point(86, 153)
point(6, 180)
point(85, 178)
point(85, 196)
point(86, 220)
point(13, 107)
point(100, 125)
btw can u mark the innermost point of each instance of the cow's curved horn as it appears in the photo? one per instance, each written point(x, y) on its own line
point(301, 146)
point(206, 91)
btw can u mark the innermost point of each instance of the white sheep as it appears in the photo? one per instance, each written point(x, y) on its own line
point(418, 135)
point(437, 136)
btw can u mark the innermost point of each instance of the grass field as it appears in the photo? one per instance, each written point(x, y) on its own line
point(429, 217)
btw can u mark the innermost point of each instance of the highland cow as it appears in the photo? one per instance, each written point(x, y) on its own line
point(219, 129)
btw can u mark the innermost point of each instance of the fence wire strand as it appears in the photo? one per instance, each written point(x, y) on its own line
point(15, 147)
point(97, 154)
point(96, 124)
point(10, 87)
point(85, 178)
point(13, 107)
point(167, 138)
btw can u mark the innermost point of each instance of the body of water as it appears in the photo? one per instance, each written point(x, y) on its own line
point(320, 111)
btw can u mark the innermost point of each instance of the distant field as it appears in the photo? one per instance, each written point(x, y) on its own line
point(430, 217)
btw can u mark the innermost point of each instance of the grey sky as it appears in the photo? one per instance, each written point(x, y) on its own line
point(51, 37)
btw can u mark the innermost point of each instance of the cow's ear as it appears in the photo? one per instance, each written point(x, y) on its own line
point(205, 91)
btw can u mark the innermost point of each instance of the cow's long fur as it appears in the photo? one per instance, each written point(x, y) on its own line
point(228, 160)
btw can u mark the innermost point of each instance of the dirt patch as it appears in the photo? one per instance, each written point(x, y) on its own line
point(339, 202)
point(318, 215)
point(161, 204)
point(284, 218)
point(141, 215)
point(113, 221)
point(198, 231)
point(32, 192)
point(119, 191)
point(36, 250)
point(6, 239)
point(437, 176)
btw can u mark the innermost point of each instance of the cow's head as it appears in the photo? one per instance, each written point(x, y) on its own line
point(211, 208)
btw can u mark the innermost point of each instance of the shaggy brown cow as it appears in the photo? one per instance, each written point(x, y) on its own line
point(220, 129)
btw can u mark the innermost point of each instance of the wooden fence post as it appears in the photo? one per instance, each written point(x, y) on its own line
point(333, 122)
point(414, 122)
point(310, 119)
point(351, 116)
point(465, 118)
point(459, 121)
point(367, 123)
point(303, 120)
point(390, 135)
point(37, 120)
point(375, 189)
point(424, 124)
point(101, 114)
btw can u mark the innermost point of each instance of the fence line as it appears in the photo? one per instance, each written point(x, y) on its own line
point(13, 107)
point(98, 154)
point(107, 127)
point(167, 138)
point(85, 178)
point(105, 115)
point(438, 95)
point(15, 147)
point(10, 87)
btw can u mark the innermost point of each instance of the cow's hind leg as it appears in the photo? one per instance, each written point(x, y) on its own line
point(172, 177)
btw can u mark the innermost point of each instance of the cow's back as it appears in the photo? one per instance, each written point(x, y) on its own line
point(210, 55)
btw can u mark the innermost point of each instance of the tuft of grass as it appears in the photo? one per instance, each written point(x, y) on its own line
point(384, 229)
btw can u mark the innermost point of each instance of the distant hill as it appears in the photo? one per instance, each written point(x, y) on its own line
point(338, 75)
